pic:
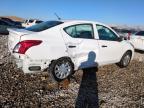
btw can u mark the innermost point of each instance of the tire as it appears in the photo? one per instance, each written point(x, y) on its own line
point(125, 60)
point(61, 69)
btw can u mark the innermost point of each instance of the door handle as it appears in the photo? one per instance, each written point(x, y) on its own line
point(104, 46)
point(72, 46)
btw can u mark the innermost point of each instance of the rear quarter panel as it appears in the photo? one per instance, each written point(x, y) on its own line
point(51, 48)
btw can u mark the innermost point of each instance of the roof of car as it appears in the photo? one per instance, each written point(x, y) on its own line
point(77, 21)
point(81, 21)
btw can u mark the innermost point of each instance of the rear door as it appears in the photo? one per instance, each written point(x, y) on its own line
point(81, 45)
point(111, 50)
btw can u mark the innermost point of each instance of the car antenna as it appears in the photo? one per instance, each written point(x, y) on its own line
point(57, 16)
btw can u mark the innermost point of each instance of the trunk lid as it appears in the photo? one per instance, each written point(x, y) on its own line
point(15, 36)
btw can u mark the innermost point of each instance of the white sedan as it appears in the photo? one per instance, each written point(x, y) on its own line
point(138, 40)
point(65, 46)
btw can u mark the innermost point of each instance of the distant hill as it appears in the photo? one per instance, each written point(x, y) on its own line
point(127, 27)
point(15, 18)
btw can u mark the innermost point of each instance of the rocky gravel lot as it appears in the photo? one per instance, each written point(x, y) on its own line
point(110, 86)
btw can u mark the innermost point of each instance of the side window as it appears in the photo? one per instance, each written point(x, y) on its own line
point(105, 33)
point(71, 31)
point(3, 23)
point(80, 31)
point(31, 21)
point(38, 21)
point(0, 23)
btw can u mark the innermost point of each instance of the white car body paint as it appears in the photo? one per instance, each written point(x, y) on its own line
point(55, 44)
point(137, 41)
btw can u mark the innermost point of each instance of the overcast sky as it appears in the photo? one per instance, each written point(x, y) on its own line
point(107, 11)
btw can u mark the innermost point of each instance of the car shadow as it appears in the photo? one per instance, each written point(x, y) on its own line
point(88, 91)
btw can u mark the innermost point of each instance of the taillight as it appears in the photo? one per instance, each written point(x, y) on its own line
point(23, 46)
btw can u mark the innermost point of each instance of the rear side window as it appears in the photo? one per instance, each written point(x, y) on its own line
point(43, 26)
point(141, 33)
point(80, 31)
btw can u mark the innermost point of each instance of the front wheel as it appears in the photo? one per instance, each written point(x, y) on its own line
point(61, 69)
point(125, 60)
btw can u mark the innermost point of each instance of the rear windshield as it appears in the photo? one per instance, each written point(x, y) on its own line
point(140, 33)
point(43, 26)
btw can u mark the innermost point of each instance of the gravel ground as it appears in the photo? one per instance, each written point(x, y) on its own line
point(110, 86)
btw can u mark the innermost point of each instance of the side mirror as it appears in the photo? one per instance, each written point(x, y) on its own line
point(121, 38)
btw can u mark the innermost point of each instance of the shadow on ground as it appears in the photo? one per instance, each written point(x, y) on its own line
point(88, 91)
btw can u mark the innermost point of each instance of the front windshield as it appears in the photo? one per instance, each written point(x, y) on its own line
point(43, 26)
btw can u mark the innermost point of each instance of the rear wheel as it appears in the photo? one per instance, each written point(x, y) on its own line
point(61, 69)
point(125, 60)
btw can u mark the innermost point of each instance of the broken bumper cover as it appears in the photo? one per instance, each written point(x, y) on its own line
point(31, 66)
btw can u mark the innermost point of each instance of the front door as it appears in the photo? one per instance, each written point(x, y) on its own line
point(111, 50)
